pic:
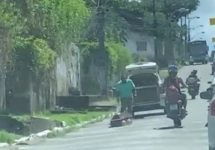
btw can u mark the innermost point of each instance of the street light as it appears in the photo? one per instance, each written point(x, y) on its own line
point(199, 26)
point(195, 17)
point(189, 22)
point(197, 35)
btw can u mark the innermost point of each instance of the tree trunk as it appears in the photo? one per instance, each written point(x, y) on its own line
point(4, 53)
point(102, 56)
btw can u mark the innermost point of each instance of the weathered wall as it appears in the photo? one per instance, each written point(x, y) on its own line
point(43, 91)
point(18, 91)
point(68, 70)
point(37, 91)
point(92, 78)
point(30, 92)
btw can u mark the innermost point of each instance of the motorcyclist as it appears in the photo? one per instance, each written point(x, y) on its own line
point(193, 75)
point(213, 67)
point(173, 79)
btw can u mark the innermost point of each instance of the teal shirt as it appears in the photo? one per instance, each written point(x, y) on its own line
point(125, 89)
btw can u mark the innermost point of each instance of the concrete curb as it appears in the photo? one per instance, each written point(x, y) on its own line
point(41, 136)
point(4, 145)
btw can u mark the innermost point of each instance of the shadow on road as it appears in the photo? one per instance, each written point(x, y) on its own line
point(167, 128)
point(140, 116)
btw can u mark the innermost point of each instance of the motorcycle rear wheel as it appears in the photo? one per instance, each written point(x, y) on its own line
point(177, 122)
point(193, 97)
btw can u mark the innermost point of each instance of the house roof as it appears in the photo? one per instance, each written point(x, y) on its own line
point(134, 19)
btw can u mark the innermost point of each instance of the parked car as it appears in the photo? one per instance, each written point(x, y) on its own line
point(210, 95)
point(148, 86)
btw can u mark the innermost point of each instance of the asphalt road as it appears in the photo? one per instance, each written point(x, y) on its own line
point(153, 132)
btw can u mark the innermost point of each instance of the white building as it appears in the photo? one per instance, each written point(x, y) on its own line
point(141, 43)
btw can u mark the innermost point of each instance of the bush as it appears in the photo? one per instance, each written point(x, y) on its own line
point(6, 137)
point(119, 57)
point(34, 53)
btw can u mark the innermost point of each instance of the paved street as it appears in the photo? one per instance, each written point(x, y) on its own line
point(146, 133)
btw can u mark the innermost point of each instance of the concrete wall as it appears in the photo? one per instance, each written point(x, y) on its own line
point(68, 70)
point(93, 80)
point(134, 37)
point(37, 91)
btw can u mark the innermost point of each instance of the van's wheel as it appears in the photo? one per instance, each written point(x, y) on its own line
point(205, 62)
point(164, 111)
point(133, 114)
point(193, 96)
point(210, 148)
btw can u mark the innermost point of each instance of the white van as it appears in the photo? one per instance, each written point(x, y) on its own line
point(148, 86)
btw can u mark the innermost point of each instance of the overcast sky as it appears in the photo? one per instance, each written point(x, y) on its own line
point(205, 11)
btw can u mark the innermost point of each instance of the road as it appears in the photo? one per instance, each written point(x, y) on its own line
point(148, 133)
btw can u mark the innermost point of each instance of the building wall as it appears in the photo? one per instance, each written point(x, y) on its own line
point(68, 70)
point(133, 38)
point(37, 91)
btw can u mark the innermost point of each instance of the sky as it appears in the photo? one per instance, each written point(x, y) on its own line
point(205, 11)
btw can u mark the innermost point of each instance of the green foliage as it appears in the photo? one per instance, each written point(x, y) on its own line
point(45, 57)
point(35, 52)
point(11, 25)
point(59, 22)
point(50, 25)
point(116, 27)
point(138, 57)
point(7, 137)
point(119, 57)
point(10, 18)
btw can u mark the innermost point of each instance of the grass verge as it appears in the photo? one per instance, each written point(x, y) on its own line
point(6, 137)
point(163, 73)
point(73, 119)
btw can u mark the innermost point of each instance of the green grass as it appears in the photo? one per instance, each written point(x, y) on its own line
point(22, 118)
point(6, 137)
point(163, 73)
point(72, 119)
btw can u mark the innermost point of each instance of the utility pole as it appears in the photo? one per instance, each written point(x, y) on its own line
point(101, 24)
point(102, 57)
point(155, 30)
point(186, 37)
point(188, 29)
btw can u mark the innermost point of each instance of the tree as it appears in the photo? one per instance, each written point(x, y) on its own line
point(57, 22)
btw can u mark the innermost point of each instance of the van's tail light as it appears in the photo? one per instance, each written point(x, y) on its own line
point(212, 108)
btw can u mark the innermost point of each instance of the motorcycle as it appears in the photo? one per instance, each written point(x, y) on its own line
point(213, 68)
point(193, 86)
point(174, 107)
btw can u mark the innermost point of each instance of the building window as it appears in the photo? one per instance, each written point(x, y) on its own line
point(141, 45)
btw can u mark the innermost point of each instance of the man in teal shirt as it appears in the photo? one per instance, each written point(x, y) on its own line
point(126, 91)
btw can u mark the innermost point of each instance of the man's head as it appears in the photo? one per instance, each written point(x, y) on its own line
point(123, 77)
point(173, 71)
point(194, 72)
